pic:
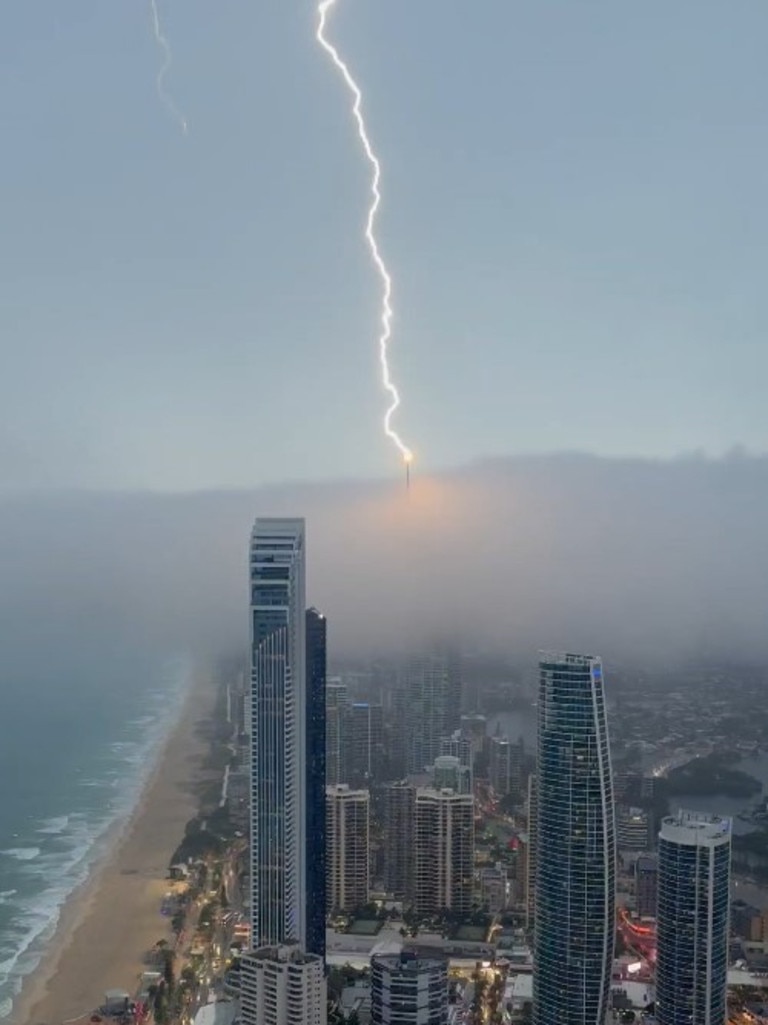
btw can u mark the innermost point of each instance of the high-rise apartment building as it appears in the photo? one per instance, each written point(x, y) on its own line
point(499, 752)
point(505, 764)
point(397, 737)
point(336, 715)
point(692, 919)
point(399, 813)
point(408, 990)
point(364, 746)
point(475, 728)
point(576, 846)
point(633, 829)
point(449, 774)
point(458, 745)
point(282, 985)
point(432, 689)
point(646, 885)
point(347, 840)
point(494, 888)
point(281, 766)
point(316, 660)
point(444, 850)
point(749, 922)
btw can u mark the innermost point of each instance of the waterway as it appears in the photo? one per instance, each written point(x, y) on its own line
point(731, 807)
point(521, 724)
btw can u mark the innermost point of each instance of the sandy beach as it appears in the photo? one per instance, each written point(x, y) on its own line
point(108, 925)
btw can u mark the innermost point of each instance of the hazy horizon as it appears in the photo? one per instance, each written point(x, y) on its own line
point(638, 560)
point(734, 452)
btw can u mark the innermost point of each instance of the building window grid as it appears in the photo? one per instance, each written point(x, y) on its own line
point(575, 807)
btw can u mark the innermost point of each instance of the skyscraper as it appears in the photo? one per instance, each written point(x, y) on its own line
point(282, 985)
point(576, 846)
point(399, 800)
point(499, 765)
point(336, 717)
point(633, 829)
point(458, 745)
point(692, 919)
point(646, 885)
point(347, 838)
point(444, 851)
point(279, 731)
point(408, 990)
point(432, 690)
point(316, 632)
point(449, 774)
point(364, 744)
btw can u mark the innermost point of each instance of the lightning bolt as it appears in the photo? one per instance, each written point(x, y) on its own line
point(385, 337)
point(165, 98)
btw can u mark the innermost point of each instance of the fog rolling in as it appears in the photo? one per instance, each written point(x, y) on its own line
point(638, 560)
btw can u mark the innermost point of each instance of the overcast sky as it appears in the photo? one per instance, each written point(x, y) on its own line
point(637, 560)
point(574, 216)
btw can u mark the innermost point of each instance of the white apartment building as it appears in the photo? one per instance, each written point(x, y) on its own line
point(444, 847)
point(283, 986)
point(347, 816)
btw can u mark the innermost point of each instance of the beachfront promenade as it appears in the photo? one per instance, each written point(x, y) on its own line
point(109, 926)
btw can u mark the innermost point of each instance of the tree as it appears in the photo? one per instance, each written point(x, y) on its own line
point(159, 1004)
point(335, 982)
point(168, 968)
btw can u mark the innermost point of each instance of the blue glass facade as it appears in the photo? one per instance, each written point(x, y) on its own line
point(693, 920)
point(576, 847)
point(315, 748)
point(278, 730)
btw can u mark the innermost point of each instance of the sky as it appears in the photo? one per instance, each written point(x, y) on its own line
point(573, 215)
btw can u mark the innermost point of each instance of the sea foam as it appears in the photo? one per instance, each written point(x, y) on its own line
point(68, 844)
point(22, 853)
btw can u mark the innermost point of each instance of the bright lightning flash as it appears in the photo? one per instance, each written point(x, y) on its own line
point(165, 98)
point(370, 230)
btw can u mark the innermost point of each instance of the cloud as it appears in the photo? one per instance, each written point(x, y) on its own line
point(635, 560)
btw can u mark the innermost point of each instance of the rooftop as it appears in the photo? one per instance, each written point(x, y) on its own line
point(407, 961)
point(286, 954)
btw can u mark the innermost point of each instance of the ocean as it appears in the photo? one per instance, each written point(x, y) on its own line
point(77, 743)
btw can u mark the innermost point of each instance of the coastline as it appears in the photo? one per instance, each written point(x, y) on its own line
point(111, 920)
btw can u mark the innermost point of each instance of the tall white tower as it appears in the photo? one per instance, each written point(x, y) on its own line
point(278, 730)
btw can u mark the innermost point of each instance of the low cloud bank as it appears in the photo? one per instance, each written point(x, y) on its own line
point(636, 560)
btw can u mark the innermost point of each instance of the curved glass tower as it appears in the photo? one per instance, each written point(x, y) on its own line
point(693, 919)
point(575, 869)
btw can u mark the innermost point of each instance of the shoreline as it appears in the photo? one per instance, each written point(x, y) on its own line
point(109, 922)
